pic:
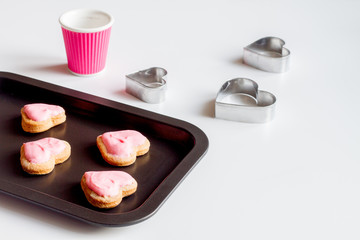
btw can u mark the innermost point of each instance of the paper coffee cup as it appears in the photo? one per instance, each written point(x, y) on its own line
point(86, 35)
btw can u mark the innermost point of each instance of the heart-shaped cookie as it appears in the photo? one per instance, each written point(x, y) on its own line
point(40, 157)
point(39, 117)
point(106, 189)
point(268, 54)
point(120, 148)
point(240, 100)
point(148, 85)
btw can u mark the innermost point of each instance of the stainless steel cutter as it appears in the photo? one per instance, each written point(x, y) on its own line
point(149, 85)
point(268, 54)
point(240, 100)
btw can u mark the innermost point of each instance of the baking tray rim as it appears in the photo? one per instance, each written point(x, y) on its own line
point(161, 193)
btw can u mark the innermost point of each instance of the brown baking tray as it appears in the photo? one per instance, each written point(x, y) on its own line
point(176, 147)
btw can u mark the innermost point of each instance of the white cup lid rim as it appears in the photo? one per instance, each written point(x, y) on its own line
point(86, 20)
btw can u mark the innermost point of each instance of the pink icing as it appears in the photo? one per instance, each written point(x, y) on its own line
point(40, 151)
point(40, 111)
point(107, 183)
point(122, 143)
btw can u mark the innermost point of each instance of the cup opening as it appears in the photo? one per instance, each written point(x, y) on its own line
point(86, 20)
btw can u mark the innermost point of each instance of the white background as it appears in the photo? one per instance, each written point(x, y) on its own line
point(296, 177)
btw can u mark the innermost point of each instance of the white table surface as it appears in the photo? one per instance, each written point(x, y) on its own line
point(296, 177)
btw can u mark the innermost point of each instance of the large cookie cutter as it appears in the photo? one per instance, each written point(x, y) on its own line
point(148, 85)
point(240, 100)
point(268, 54)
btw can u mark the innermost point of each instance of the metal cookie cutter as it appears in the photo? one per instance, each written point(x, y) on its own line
point(268, 54)
point(148, 85)
point(240, 100)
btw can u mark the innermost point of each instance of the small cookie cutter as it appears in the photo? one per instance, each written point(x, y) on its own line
point(149, 85)
point(268, 54)
point(240, 100)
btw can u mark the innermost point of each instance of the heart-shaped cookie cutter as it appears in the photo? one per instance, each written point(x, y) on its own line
point(149, 85)
point(240, 100)
point(268, 54)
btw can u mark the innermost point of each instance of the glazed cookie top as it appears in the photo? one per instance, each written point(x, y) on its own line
point(122, 143)
point(40, 151)
point(41, 111)
point(107, 183)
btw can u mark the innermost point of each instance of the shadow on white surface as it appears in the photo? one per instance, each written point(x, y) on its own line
point(125, 95)
point(54, 68)
point(239, 61)
point(209, 109)
point(249, 69)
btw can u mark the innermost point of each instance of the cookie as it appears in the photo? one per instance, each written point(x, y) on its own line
point(39, 117)
point(120, 148)
point(106, 189)
point(40, 157)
